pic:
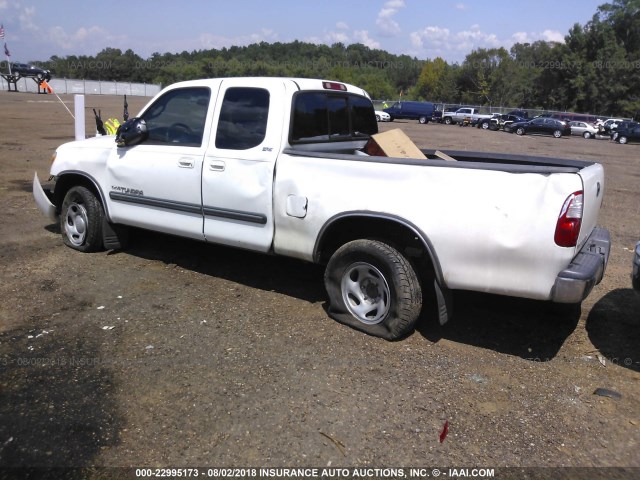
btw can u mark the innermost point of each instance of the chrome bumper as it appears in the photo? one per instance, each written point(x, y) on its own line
point(586, 270)
point(42, 200)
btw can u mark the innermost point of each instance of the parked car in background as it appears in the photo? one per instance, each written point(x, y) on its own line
point(627, 132)
point(635, 276)
point(503, 122)
point(584, 129)
point(519, 113)
point(421, 111)
point(382, 116)
point(611, 124)
point(542, 126)
point(465, 114)
point(27, 70)
point(485, 123)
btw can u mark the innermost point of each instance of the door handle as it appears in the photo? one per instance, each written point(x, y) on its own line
point(217, 166)
point(185, 163)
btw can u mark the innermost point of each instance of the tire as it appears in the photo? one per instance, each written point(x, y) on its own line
point(519, 131)
point(423, 120)
point(622, 140)
point(81, 220)
point(485, 125)
point(557, 133)
point(377, 118)
point(372, 287)
point(586, 135)
point(447, 121)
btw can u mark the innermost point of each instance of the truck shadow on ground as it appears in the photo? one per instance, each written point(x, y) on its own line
point(56, 407)
point(284, 275)
point(530, 329)
point(525, 328)
point(613, 326)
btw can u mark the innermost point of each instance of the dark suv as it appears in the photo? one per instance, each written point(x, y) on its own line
point(627, 132)
point(27, 70)
point(421, 111)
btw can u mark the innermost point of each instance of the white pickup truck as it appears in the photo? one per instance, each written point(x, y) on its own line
point(277, 165)
point(472, 115)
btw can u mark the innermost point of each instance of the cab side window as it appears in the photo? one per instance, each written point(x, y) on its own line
point(178, 117)
point(243, 118)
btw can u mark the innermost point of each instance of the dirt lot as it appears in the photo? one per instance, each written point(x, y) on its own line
point(175, 353)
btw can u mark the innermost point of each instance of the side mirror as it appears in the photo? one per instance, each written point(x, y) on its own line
point(131, 132)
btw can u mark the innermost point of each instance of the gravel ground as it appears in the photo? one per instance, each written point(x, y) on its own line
point(178, 354)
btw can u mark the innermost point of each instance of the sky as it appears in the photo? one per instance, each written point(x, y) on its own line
point(39, 29)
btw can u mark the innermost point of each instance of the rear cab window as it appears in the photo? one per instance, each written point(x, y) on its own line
point(243, 118)
point(321, 117)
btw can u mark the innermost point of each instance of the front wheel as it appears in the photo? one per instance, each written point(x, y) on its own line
point(447, 121)
point(377, 118)
point(622, 139)
point(520, 131)
point(485, 125)
point(372, 287)
point(586, 135)
point(81, 220)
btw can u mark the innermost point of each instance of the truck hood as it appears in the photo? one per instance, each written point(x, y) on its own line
point(104, 141)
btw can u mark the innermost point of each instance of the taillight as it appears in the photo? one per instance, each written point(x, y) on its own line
point(570, 220)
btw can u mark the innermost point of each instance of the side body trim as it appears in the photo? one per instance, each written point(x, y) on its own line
point(193, 208)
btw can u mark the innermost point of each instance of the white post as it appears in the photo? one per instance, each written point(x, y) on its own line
point(78, 102)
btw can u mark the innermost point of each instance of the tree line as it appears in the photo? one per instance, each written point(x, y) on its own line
point(596, 69)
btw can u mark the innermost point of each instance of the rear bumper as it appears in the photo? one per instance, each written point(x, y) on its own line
point(635, 276)
point(42, 200)
point(586, 270)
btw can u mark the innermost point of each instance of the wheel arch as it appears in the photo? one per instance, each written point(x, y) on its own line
point(69, 179)
point(399, 232)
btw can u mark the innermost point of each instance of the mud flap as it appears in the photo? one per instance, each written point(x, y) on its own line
point(445, 303)
point(114, 237)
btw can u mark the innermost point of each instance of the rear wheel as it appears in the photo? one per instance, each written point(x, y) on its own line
point(447, 121)
point(372, 287)
point(586, 135)
point(557, 133)
point(485, 125)
point(423, 120)
point(81, 220)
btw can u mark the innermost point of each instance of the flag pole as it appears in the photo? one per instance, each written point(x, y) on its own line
point(6, 50)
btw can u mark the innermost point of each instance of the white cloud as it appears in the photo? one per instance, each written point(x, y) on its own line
point(362, 36)
point(388, 26)
point(461, 7)
point(342, 26)
point(552, 36)
point(345, 36)
point(208, 41)
point(530, 37)
point(91, 38)
point(336, 37)
point(438, 41)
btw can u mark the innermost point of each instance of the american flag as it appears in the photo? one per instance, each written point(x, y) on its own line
point(6, 50)
point(1, 31)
